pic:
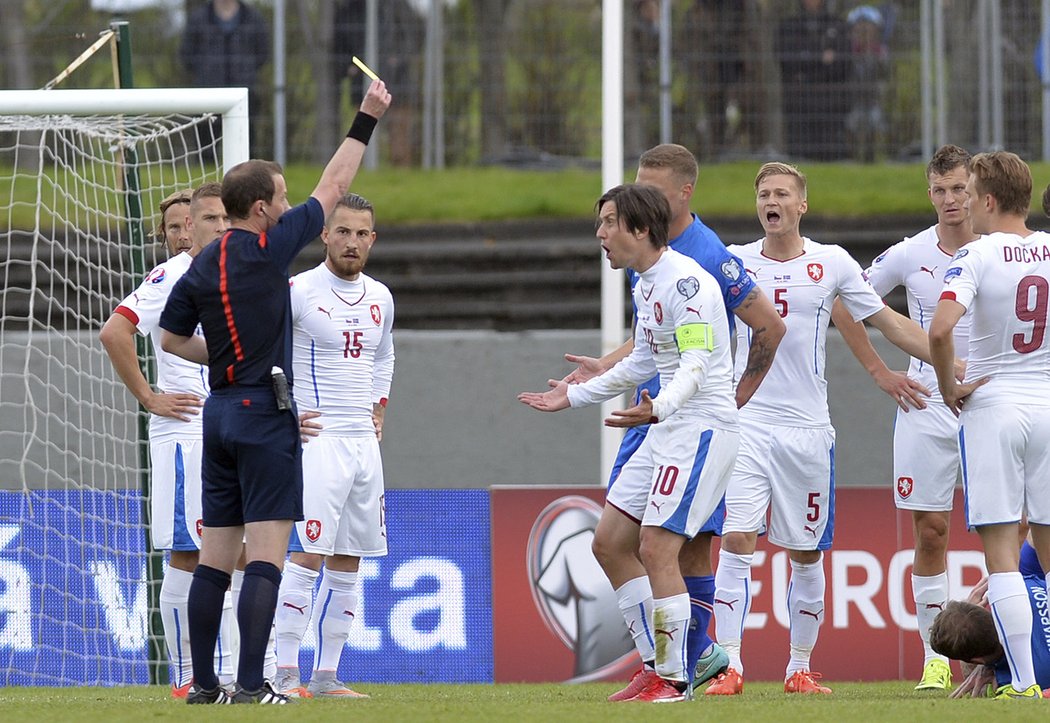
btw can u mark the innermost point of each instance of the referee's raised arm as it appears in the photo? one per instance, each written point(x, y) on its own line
point(341, 169)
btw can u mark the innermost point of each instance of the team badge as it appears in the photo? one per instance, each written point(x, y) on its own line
point(658, 312)
point(156, 276)
point(376, 316)
point(313, 530)
point(815, 271)
point(730, 269)
point(904, 487)
point(688, 286)
point(960, 253)
point(200, 527)
point(880, 257)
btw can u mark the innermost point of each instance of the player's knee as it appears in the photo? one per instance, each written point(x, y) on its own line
point(931, 534)
point(606, 551)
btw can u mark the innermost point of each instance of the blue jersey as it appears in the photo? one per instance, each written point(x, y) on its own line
point(1030, 561)
point(700, 243)
point(237, 290)
point(1037, 597)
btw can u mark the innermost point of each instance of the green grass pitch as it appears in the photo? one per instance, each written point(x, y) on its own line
point(895, 701)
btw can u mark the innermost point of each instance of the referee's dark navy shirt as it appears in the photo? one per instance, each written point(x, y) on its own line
point(237, 290)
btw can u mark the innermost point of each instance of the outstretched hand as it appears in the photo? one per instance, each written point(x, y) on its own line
point(377, 99)
point(976, 683)
point(588, 367)
point(641, 413)
point(551, 401)
point(904, 390)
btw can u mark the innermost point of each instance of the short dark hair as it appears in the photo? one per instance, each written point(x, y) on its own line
point(353, 202)
point(678, 159)
point(1006, 177)
point(947, 158)
point(247, 183)
point(964, 631)
point(639, 208)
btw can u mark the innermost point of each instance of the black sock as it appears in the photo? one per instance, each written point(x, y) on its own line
point(254, 618)
point(204, 609)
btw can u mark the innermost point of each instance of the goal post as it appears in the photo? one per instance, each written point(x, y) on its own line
point(75, 167)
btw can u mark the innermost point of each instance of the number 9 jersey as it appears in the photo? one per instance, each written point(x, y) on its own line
point(342, 348)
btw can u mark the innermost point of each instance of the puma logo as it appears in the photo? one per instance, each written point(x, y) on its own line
point(929, 271)
point(695, 311)
point(669, 633)
point(325, 311)
point(815, 615)
point(934, 606)
point(728, 603)
point(630, 628)
point(348, 613)
point(301, 609)
point(810, 530)
point(657, 505)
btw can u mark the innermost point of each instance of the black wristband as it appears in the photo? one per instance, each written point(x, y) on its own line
point(362, 127)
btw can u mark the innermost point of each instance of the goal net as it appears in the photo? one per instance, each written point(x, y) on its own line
point(81, 175)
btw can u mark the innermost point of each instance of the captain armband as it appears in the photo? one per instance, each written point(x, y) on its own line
point(695, 336)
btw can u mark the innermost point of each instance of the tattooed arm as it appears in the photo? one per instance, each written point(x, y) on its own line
point(767, 329)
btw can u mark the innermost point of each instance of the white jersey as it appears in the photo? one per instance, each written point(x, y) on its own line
point(1004, 279)
point(682, 333)
point(174, 374)
point(803, 289)
point(918, 264)
point(342, 348)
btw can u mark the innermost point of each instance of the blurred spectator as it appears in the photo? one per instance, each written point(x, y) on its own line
point(225, 44)
point(402, 34)
point(869, 62)
point(813, 49)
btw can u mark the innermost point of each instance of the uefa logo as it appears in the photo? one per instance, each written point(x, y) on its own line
point(572, 594)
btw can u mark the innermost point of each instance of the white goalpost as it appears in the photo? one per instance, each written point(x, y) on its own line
point(81, 175)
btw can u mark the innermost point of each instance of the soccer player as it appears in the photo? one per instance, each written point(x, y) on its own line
point(175, 425)
point(926, 441)
point(1003, 280)
point(787, 443)
point(677, 477)
point(673, 170)
point(343, 357)
point(173, 211)
point(965, 631)
point(237, 290)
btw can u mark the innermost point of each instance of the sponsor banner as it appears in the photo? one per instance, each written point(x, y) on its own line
point(556, 616)
point(74, 608)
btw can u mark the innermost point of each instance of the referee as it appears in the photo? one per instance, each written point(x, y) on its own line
point(237, 291)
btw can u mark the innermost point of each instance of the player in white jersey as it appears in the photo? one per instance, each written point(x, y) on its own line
point(925, 441)
point(1003, 280)
point(677, 477)
point(787, 443)
point(343, 362)
point(190, 222)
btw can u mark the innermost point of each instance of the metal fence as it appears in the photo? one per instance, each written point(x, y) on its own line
point(518, 82)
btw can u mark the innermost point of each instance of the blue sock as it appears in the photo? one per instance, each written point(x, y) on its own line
point(701, 599)
point(254, 618)
point(204, 609)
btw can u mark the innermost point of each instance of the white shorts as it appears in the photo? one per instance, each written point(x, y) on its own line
point(343, 498)
point(1006, 463)
point(925, 458)
point(175, 499)
point(792, 469)
point(678, 475)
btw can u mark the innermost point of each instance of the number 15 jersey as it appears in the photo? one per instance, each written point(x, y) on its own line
point(342, 348)
point(795, 393)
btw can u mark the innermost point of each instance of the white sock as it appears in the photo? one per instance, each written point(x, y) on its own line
point(174, 594)
point(670, 624)
point(295, 601)
point(227, 647)
point(333, 614)
point(635, 598)
point(732, 603)
point(805, 612)
point(931, 595)
point(1012, 613)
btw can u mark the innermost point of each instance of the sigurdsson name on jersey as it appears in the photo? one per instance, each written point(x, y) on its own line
point(1025, 254)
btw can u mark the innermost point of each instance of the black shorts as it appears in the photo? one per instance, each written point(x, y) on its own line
point(253, 459)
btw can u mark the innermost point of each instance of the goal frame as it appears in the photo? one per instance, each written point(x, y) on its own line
point(230, 103)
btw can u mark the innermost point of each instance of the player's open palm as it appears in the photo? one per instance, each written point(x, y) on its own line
point(179, 406)
point(551, 401)
point(377, 99)
point(587, 367)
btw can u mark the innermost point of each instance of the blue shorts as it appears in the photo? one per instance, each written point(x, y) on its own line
point(632, 440)
point(253, 459)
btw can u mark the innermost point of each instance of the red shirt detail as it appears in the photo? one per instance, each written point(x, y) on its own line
point(127, 314)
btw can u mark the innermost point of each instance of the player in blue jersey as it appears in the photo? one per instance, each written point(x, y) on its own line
point(237, 290)
point(673, 170)
point(965, 631)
